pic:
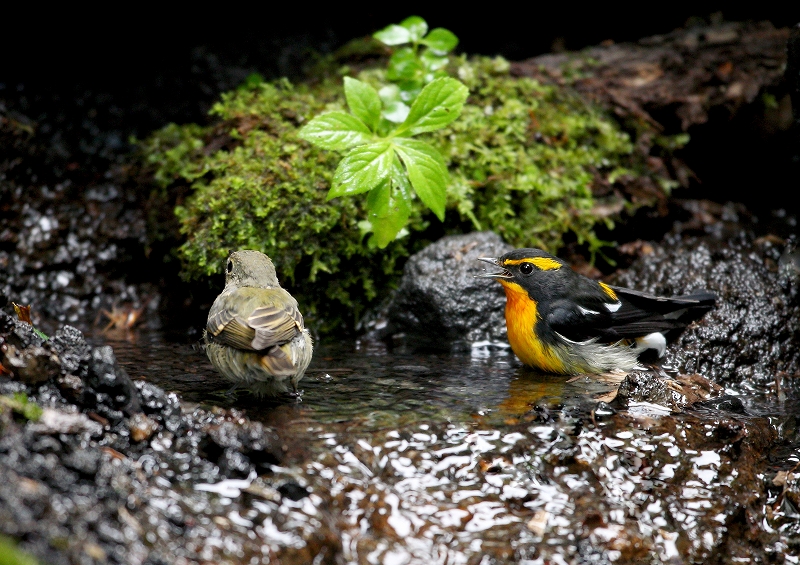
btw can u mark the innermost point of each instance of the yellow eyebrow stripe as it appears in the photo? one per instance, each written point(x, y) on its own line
point(542, 263)
point(608, 290)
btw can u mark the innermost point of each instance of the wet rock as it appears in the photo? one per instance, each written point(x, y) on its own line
point(6, 321)
point(88, 377)
point(163, 407)
point(603, 409)
point(72, 349)
point(293, 491)
point(439, 301)
point(106, 376)
point(672, 393)
point(754, 331)
point(67, 233)
point(60, 422)
point(240, 446)
point(20, 334)
point(103, 386)
point(641, 386)
point(84, 461)
point(31, 365)
point(724, 403)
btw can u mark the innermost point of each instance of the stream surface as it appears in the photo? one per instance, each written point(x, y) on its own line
point(397, 457)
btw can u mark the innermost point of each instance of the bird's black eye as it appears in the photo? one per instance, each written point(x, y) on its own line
point(526, 268)
point(230, 266)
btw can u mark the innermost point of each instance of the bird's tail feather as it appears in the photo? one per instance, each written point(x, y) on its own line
point(702, 297)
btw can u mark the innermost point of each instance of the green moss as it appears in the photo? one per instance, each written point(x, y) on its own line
point(523, 158)
point(267, 190)
point(11, 555)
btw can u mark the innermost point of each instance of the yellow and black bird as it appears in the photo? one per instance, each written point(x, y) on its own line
point(255, 335)
point(559, 321)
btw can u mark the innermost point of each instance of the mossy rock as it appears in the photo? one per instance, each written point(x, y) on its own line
point(523, 158)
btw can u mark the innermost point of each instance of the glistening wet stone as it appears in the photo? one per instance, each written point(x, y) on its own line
point(752, 335)
point(440, 302)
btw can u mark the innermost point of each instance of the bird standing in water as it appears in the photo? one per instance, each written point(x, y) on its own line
point(559, 321)
point(255, 334)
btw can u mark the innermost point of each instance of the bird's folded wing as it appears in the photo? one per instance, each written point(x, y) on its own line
point(580, 323)
point(274, 325)
point(235, 321)
point(575, 322)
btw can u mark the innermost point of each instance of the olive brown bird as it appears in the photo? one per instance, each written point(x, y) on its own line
point(255, 335)
point(562, 322)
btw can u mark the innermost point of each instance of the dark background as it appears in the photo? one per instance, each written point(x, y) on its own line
point(130, 47)
point(100, 78)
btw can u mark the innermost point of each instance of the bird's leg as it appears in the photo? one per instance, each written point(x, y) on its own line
point(297, 395)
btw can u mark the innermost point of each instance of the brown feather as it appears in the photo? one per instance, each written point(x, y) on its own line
point(278, 363)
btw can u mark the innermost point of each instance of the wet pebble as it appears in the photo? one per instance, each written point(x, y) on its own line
point(141, 427)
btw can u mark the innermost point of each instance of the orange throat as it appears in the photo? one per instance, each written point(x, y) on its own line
point(521, 317)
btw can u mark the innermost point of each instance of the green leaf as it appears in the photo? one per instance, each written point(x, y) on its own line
point(416, 26)
point(433, 62)
point(336, 130)
point(396, 112)
point(393, 35)
point(404, 65)
point(394, 109)
point(410, 89)
point(362, 169)
point(439, 103)
point(389, 208)
point(385, 230)
point(364, 102)
point(386, 198)
point(400, 179)
point(440, 40)
point(426, 171)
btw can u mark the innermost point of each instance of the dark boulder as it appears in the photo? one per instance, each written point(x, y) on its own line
point(753, 333)
point(89, 377)
point(440, 301)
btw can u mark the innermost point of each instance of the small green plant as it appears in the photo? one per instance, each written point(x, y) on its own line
point(412, 67)
point(22, 405)
point(377, 135)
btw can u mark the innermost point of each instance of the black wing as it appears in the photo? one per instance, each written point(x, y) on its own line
point(635, 314)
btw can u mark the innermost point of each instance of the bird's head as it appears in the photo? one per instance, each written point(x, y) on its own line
point(532, 269)
point(250, 269)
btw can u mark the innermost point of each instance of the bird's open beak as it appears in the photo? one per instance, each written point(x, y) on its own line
point(504, 274)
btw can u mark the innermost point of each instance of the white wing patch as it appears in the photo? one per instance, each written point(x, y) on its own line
point(586, 311)
point(570, 342)
point(614, 306)
point(655, 341)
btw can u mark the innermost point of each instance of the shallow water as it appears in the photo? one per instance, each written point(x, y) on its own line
point(410, 457)
point(364, 381)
